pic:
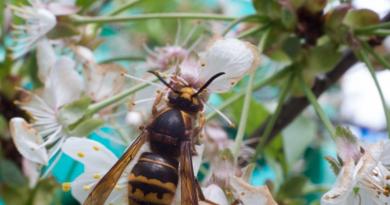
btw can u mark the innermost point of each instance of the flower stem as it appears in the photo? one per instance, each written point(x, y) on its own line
point(274, 117)
point(237, 21)
point(313, 101)
point(96, 107)
point(247, 101)
point(280, 74)
point(373, 27)
point(377, 32)
point(244, 117)
point(378, 57)
point(364, 56)
point(124, 7)
point(123, 58)
point(251, 31)
point(112, 19)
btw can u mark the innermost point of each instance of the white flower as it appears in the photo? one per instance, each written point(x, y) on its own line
point(42, 139)
point(97, 160)
point(365, 180)
point(232, 56)
point(40, 19)
point(102, 80)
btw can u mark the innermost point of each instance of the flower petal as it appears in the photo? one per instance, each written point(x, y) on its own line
point(32, 171)
point(60, 9)
point(197, 159)
point(27, 141)
point(215, 194)
point(342, 189)
point(385, 155)
point(249, 194)
point(46, 58)
point(84, 184)
point(232, 56)
point(64, 84)
point(94, 156)
point(104, 80)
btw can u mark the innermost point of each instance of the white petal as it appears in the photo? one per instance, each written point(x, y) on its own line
point(45, 58)
point(197, 160)
point(385, 155)
point(64, 84)
point(60, 9)
point(249, 194)
point(85, 183)
point(32, 171)
point(94, 156)
point(104, 80)
point(27, 141)
point(343, 187)
point(46, 21)
point(215, 194)
point(232, 56)
point(85, 54)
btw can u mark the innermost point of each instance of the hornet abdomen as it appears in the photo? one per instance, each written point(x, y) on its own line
point(153, 180)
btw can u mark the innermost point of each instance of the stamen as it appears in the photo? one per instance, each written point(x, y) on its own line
point(196, 43)
point(178, 32)
point(52, 138)
point(226, 118)
point(149, 50)
point(142, 80)
point(143, 101)
point(81, 154)
point(189, 35)
point(66, 186)
point(97, 176)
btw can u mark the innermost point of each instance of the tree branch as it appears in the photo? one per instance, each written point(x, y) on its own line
point(295, 105)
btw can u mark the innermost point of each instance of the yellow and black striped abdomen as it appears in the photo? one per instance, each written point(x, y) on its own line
point(153, 180)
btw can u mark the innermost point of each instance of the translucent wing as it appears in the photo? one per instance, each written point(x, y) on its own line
point(104, 187)
point(188, 183)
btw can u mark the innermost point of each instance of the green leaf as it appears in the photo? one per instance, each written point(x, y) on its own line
point(14, 195)
point(292, 47)
point(315, 6)
point(334, 26)
point(86, 127)
point(323, 58)
point(360, 18)
point(293, 187)
point(270, 8)
point(288, 18)
point(297, 137)
point(276, 159)
point(10, 174)
point(74, 111)
point(257, 114)
point(45, 192)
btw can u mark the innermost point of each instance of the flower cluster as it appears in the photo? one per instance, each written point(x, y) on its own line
point(364, 177)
